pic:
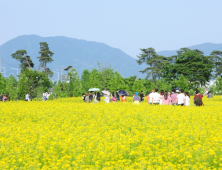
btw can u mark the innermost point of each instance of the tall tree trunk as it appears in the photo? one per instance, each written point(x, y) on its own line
point(27, 62)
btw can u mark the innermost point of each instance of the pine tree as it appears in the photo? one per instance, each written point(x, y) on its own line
point(216, 58)
point(45, 58)
point(23, 58)
point(154, 61)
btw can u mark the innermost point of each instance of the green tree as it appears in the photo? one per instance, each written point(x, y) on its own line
point(183, 83)
point(138, 86)
point(169, 72)
point(58, 89)
point(32, 81)
point(105, 76)
point(75, 86)
point(23, 58)
point(61, 89)
point(216, 57)
point(154, 61)
point(94, 81)
point(148, 85)
point(2, 83)
point(85, 80)
point(194, 66)
point(11, 89)
point(218, 84)
point(117, 83)
point(129, 82)
point(45, 58)
point(162, 85)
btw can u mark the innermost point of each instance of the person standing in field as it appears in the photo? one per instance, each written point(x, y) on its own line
point(161, 96)
point(187, 103)
point(113, 99)
point(1, 97)
point(98, 96)
point(173, 97)
point(87, 98)
point(44, 96)
point(47, 96)
point(106, 98)
point(123, 98)
point(136, 98)
point(141, 96)
point(5, 98)
point(117, 95)
point(181, 99)
point(156, 98)
point(95, 97)
point(83, 97)
point(150, 96)
point(91, 96)
point(198, 98)
point(166, 98)
point(27, 97)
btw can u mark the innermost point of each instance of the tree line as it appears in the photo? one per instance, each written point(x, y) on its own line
point(188, 70)
point(197, 68)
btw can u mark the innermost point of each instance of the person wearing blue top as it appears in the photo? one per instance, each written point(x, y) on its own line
point(136, 98)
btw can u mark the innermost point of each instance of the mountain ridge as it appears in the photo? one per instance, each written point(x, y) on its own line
point(81, 54)
point(207, 48)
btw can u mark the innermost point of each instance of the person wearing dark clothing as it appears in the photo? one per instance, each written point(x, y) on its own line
point(209, 94)
point(198, 98)
point(141, 96)
point(91, 97)
point(117, 95)
point(98, 97)
point(83, 97)
point(5, 98)
point(1, 97)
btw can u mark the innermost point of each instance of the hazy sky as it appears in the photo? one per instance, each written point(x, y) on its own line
point(125, 24)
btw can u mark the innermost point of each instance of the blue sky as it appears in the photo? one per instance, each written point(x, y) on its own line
point(125, 24)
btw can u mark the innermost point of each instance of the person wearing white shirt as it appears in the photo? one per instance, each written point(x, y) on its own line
point(156, 97)
point(44, 96)
point(47, 96)
point(149, 97)
point(181, 99)
point(106, 98)
point(187, 103)
point(27, 97)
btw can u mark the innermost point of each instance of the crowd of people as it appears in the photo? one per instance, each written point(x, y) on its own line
point(45, 96)
point(175, 97)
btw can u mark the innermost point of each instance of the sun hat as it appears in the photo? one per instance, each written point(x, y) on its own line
point(136, 93)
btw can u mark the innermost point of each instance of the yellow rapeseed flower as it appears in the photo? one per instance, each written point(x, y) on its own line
point(69, 134)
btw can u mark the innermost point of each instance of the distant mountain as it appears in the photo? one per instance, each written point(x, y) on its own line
point(207, 48)
point(80, 54)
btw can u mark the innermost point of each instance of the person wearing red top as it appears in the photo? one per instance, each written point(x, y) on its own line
point(201, 96)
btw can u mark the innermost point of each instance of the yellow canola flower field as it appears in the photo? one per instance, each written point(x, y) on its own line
point(69, 134)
